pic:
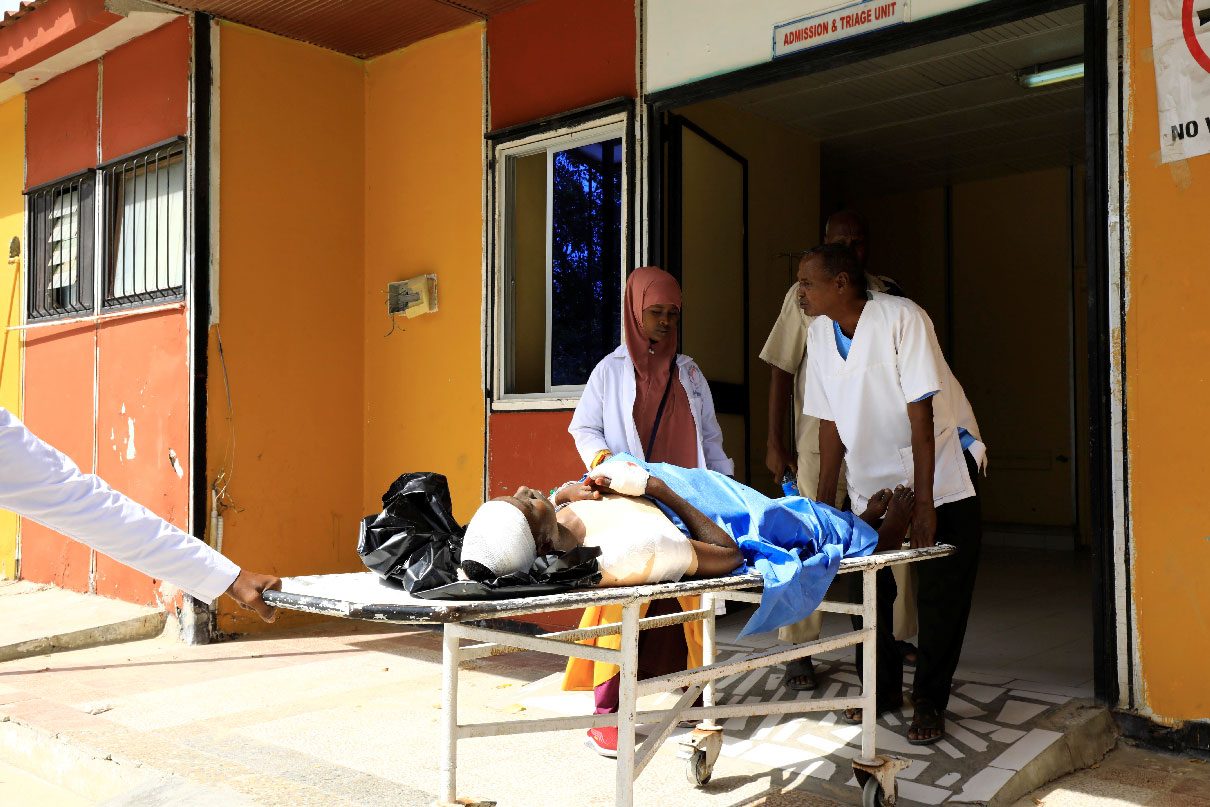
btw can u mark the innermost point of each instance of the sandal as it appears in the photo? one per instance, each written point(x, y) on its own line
point(800, 668)
point(926, 718)
point(852, 715)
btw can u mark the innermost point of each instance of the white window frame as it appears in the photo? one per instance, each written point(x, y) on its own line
point(607, 128)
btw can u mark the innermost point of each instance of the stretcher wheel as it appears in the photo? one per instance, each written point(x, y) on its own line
point(871, 794)
point(698, 768)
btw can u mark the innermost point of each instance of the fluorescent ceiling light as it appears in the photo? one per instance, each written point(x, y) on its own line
point(1038, 77)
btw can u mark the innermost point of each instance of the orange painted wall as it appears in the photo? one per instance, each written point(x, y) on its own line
point(139, 363)
point(551, 56)
point(55, 27)
point(1167, 401)
point(61, 126)
point(532, 449)
point(58, 408)
point(145, 97)
point(12, 217)
point(143, 398)
point(61, 139)
point(291, 296)
point(423, 200)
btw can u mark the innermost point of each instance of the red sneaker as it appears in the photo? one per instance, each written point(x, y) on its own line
point(603, 740)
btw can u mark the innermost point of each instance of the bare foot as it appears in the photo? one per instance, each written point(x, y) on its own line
point(898, 517)
point(876, 507)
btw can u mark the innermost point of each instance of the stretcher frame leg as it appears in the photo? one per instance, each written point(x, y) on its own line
point(627, 705)
point(869, 672)
point(631, 761)
point(451, 644)
point(709, 653)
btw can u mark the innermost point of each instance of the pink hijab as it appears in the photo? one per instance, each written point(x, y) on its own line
point(654, 362)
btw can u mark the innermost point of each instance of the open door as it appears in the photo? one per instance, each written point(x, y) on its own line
point(707, 251)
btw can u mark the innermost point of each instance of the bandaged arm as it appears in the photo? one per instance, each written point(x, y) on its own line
point(716, 551)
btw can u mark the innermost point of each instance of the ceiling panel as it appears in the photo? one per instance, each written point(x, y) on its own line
point(362, 28)
point(946, 110)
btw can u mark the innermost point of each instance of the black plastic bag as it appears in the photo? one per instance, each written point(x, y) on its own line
point(416, 543)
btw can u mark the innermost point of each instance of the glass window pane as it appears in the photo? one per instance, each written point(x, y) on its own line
point(63, 243)
point(526, 274)
point(586, 254)
point(149, 231)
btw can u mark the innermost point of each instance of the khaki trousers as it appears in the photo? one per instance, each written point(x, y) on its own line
point(807, 630)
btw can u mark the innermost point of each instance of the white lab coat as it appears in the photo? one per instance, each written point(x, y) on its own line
point(604, 418)
point(39, 482)
point(894, 359)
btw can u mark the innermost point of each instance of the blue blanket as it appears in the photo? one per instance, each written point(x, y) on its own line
point(796, 544)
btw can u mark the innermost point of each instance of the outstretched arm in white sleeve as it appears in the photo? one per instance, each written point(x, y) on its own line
point(39, 482)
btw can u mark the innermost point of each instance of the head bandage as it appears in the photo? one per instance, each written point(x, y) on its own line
point(624, 477)
point(499, 538)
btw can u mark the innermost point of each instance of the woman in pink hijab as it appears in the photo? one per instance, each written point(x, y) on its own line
point(644, 398)
point(647, 400)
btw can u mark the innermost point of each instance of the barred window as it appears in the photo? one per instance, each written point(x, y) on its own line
point(145, 221)
point(61, 248)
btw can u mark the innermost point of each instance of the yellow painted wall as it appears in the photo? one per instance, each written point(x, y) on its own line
point(1167, 342)
point(424, 399)
point(907, 244)
point(292, 319)
point(12, 207)
point(1015, 368)
point(1022, 399)
point(783, 216)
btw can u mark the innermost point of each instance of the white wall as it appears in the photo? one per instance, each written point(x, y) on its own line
point(689, 40)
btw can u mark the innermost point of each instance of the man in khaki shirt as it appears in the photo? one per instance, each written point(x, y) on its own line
point(785, 353)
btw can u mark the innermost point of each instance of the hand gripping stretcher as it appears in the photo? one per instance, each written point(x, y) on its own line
point(366, 596)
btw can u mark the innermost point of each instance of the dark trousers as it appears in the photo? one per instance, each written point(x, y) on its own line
point(661, 651)
point(943, 605)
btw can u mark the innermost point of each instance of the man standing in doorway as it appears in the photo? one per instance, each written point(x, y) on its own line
point(890, 407)
point(785, 353)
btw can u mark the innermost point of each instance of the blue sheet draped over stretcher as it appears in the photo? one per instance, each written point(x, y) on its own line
point(794, 543)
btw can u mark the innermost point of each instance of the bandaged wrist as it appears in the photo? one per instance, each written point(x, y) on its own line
point(624, 477)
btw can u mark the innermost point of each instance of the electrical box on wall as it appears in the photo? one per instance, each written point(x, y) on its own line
point(414, 296)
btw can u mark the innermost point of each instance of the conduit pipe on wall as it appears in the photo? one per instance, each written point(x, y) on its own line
point(216, 523)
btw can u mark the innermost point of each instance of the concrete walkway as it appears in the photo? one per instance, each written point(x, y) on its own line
point(37, 619)
point(347, 713)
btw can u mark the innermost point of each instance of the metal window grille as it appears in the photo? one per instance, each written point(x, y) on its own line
point(145, 224)
point(60, 243)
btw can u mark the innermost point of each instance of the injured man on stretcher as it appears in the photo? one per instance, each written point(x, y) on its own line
point(617, 508)
point(661, 523)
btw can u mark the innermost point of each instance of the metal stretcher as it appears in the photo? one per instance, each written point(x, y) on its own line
point(366, 596)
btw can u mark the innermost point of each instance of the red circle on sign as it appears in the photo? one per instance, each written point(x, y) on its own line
point(1195, 47)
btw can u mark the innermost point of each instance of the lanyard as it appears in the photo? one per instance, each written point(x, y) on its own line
point(659, 413)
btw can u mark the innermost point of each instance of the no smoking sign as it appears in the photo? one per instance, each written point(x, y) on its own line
point(1180, 38)
point(1192, 21)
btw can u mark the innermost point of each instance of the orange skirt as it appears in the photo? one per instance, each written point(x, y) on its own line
point(583, 674)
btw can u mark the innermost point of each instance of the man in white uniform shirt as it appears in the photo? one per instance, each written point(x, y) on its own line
point(785, 353)
point(39, 482)
point(891, 409)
